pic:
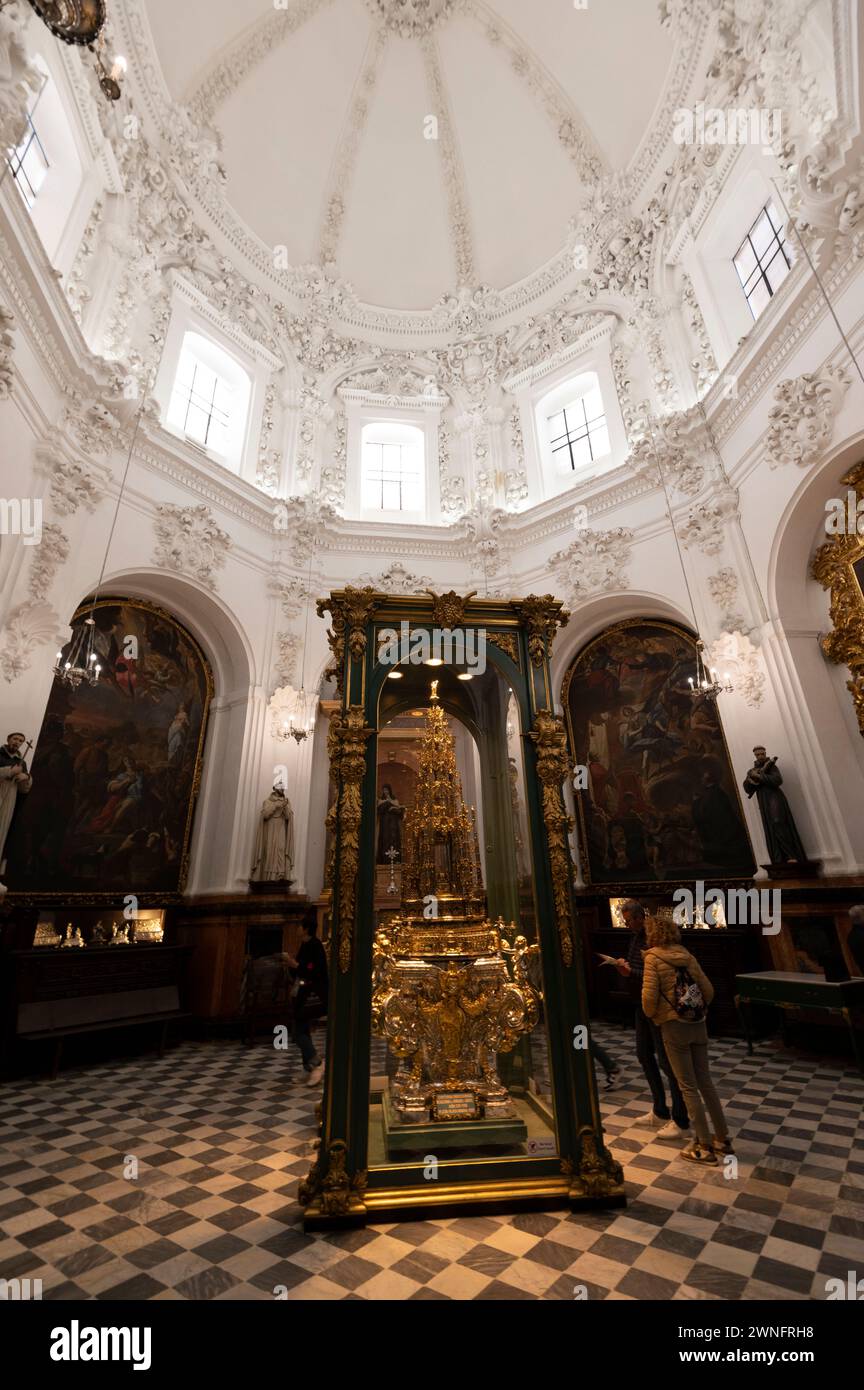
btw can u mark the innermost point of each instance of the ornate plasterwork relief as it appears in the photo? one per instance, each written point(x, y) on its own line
point(335, 201)
point(801, 424)
point(289, 646)
point(461, 235)
point(723, 588)
point(734, 652)
point(596, 562)
point(20, 78)
point(396, 579)
point(252, 46)
point(705, 526)
point(411, 19)
point(190, 542)
point(7, 349)
point(301, 520)
point(292, 594)
point(32, 624)
point(72, 483)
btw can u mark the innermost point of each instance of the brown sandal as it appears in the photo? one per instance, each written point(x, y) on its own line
point(722, 1146)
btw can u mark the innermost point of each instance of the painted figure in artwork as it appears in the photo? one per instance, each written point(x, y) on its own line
point(274, 843)
point(15, 781)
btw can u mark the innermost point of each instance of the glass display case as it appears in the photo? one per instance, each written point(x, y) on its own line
point(458, 1072)
point(81, 927)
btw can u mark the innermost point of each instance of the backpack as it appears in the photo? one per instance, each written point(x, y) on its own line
point(688, 1000)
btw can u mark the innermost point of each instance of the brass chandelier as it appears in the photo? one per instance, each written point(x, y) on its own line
point(81, 22)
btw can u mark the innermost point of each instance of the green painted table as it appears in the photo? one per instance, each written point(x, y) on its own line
point(790, 989)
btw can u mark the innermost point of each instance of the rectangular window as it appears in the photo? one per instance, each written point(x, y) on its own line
point(763, 260)
point(202, 404)
point(579, 434)
point(29, 163)
point(392, 480)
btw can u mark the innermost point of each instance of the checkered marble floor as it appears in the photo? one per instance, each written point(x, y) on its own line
point(221, 1134)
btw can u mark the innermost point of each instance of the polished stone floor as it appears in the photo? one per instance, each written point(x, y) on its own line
point(219, 1135)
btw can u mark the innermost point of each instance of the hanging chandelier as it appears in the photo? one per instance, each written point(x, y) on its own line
point(707, 685)
point(293, 714)
point(81, 22)
point(82, 662)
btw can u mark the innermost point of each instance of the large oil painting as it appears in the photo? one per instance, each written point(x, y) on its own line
point(661, 800)
point(117, 765)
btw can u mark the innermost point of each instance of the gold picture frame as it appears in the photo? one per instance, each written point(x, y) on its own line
point(838, 566)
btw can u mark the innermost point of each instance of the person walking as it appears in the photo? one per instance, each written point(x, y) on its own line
point(309, 995)
point(650, 1049)
point(675, 996)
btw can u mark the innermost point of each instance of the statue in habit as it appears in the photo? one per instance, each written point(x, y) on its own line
point(15, 781)
point(274, 843)
point(781, 834)
point(390, 815)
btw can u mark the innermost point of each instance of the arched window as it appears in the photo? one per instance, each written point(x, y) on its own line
point(572, 426)
point(209, 403)
point(392, 468)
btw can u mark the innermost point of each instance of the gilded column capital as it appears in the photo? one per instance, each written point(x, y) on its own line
point(542, 615)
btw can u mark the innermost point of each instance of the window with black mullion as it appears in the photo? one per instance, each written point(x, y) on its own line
point(577, 427)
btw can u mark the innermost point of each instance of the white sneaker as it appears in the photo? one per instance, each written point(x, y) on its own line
point(315, 1075)
point(672, 1131)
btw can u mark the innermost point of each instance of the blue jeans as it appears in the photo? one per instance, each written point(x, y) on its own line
point(300, 1035)
point(650, 1051)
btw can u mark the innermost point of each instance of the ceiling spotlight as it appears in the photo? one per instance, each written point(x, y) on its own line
point(465, 676)
point(434, 661)
point(394, 675)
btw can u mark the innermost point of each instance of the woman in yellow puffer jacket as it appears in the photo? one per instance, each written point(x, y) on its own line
point(686, 1042)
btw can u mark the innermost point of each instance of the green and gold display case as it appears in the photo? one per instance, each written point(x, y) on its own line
point(557, 1156)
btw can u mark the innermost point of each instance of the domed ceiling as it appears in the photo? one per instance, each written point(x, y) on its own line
point(416, 145)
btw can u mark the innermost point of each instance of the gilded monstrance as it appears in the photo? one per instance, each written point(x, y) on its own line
point(449, 991)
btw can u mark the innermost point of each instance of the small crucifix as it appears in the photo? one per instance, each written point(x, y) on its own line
point(392, 854)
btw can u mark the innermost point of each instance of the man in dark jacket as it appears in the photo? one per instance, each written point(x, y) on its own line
point(649, 1044)
point(310, 1000)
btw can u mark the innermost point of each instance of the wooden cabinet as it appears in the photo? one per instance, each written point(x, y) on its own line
point(221, 930)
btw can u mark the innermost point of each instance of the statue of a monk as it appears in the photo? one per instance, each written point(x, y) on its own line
point(781, 834)
point(274, 844)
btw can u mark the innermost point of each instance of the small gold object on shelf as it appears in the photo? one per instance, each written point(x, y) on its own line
point(148, 930)
point(46, 935)
point(73, 939)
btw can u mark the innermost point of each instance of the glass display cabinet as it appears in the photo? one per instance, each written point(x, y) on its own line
point(458, 1073)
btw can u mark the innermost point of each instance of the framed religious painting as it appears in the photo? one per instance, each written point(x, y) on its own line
point(117, 766)
point(660, 799)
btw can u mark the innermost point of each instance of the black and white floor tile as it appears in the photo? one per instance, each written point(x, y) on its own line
point(221, 1134)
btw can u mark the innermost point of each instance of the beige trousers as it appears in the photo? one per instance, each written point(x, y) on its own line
point(687, 1049)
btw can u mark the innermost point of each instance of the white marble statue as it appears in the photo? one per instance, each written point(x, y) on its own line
point(274, 843)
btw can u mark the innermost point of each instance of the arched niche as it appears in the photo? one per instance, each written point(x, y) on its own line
point(118, 761)
point(225, 812)
point(815, 703)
